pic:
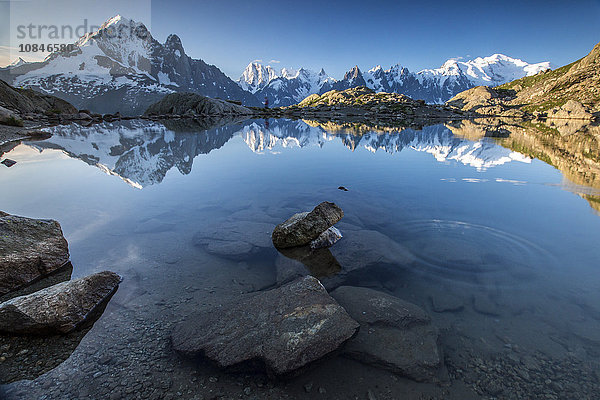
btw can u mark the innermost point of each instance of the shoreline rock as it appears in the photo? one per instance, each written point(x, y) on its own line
point(29, 250)
point(394, 334)
point(281, 330)
point(60, 308)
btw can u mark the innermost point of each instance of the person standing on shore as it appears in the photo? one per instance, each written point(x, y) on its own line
point(266, 102)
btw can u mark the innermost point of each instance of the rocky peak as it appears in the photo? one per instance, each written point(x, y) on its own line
point(174, 42)
point(353, 74)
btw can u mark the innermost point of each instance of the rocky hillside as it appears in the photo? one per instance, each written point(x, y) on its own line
point(578, 81)
point(569, 92)
point(27, 101)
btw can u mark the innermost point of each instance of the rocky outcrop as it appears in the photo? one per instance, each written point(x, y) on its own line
point(282, 330)
point(29, 249)
point(571, 110)
point(302, 228)
point(191, 104)
point(483, 101)
point(393, 334)
point(364, 102)
point(27, 101)
point(61, 308)
point(7, 117)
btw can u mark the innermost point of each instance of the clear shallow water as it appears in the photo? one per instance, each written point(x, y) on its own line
point(503, 240)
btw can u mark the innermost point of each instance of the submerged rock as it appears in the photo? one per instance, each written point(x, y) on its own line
point(365, 248)
point(283, 329)
point(394, 334)
point(60, 308)
point(303, 228)
point(29, 249)
point(236, 240)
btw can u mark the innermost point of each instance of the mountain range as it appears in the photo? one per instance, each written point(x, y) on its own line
point(121, 67)
point(287, 87)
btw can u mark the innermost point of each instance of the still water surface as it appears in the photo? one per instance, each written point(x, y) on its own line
point(504, 253)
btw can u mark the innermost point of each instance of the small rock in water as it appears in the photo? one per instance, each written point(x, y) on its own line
point(327, 238)
point(8, 162)
point(343, 188)
point(302, 228)
point(285, 328)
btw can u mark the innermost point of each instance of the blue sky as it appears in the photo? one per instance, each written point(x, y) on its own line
point(339, 34)
point(336, 35)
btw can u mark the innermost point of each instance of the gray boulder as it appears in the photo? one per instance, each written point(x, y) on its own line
point(9, 117)
point(191, 104)
point(29, 249)
point(394, 334)
point(282, 330)
point(571, 110)
point(303, 228)
point(61, 308)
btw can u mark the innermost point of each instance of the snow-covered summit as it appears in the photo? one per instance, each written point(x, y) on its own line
point(487, 71)
point(284, 86)
point(121, 67)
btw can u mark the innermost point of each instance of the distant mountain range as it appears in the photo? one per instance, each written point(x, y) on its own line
point(287, 87)
point(121, 67)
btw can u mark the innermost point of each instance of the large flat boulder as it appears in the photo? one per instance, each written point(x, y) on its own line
point(29, 250)
point(61, 308)
point(394, 334)
point(192, 104)
point(282, 330)
point(302, 228)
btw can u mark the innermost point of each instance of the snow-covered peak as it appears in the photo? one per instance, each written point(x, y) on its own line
point(490, 71)
point(256, 76)
point(113, 21)
point(289, 73)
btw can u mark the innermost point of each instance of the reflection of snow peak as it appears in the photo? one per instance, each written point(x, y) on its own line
point(436, 140)
point(142, 152)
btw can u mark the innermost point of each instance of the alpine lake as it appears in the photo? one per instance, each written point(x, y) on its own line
point(501, 222)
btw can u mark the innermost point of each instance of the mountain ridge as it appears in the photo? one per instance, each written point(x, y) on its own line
point(432, 85)
point(121, 67)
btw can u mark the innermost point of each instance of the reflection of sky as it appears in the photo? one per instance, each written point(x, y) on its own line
point(99, 211)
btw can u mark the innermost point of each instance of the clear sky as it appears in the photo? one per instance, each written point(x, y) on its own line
point(336, 35)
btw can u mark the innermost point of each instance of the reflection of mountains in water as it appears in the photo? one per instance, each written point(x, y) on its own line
point(571, 146)
point(142, 152)
point(435, 139)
